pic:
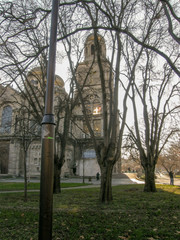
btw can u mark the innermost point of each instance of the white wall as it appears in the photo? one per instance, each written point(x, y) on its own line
point(90, 167)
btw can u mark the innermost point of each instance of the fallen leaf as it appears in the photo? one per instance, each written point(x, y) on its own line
point(122, 237)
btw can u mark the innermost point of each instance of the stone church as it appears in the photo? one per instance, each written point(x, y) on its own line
point(15, 140)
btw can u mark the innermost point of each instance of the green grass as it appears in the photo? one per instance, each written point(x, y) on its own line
point(133, 215)
point(8, 186)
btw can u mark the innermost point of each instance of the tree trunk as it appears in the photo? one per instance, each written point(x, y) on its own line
point(150, 185)
point(25, 176)
point(57, 174)
point(106, 183)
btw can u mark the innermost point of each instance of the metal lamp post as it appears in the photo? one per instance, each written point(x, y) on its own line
point(48, 134)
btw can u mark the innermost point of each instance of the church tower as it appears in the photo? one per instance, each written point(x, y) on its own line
point(88, 78)
point(90, 49)
point(89, 83)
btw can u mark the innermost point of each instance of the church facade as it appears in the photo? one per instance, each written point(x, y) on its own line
point(16, 139)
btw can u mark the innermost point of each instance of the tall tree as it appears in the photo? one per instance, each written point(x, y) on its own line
point(157, 95)
point(107, 148)
point(141, 15)
point(172, 18)
point(26, 131)
point(169, 160)
point(24, 45)
point(141, 21)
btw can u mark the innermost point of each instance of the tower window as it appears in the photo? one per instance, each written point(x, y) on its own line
point(97, 109)
point(92, 49)
point(97, 127)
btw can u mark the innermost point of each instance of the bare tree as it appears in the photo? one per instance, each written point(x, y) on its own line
point(63, 113)
point(157, 94)
point(138, 18)
point(169, 160)
point(141, 21)
point(137, 15)
point(131, 158)
point(171, 15)
point(26, 131)
point(107, 148)
point(24, 45)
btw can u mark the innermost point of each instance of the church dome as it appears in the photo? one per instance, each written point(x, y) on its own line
point(91, 38)
point(36, 74)
point(58, 81)
point(36, 71)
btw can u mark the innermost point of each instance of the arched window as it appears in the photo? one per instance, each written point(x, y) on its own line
point(6, 120)
point(97, 109)
point(34, 127)
point(34, 82)
point(92, 49)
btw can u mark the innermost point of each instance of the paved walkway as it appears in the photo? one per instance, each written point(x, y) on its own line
point(93, 183)
point(120, 179)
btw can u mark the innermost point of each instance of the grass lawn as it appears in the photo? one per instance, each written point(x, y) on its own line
point(12, 186)
point(79, 215)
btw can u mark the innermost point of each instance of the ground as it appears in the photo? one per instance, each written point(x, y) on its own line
point(78, 215)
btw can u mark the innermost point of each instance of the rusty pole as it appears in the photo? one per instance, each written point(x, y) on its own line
point(47, 138)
